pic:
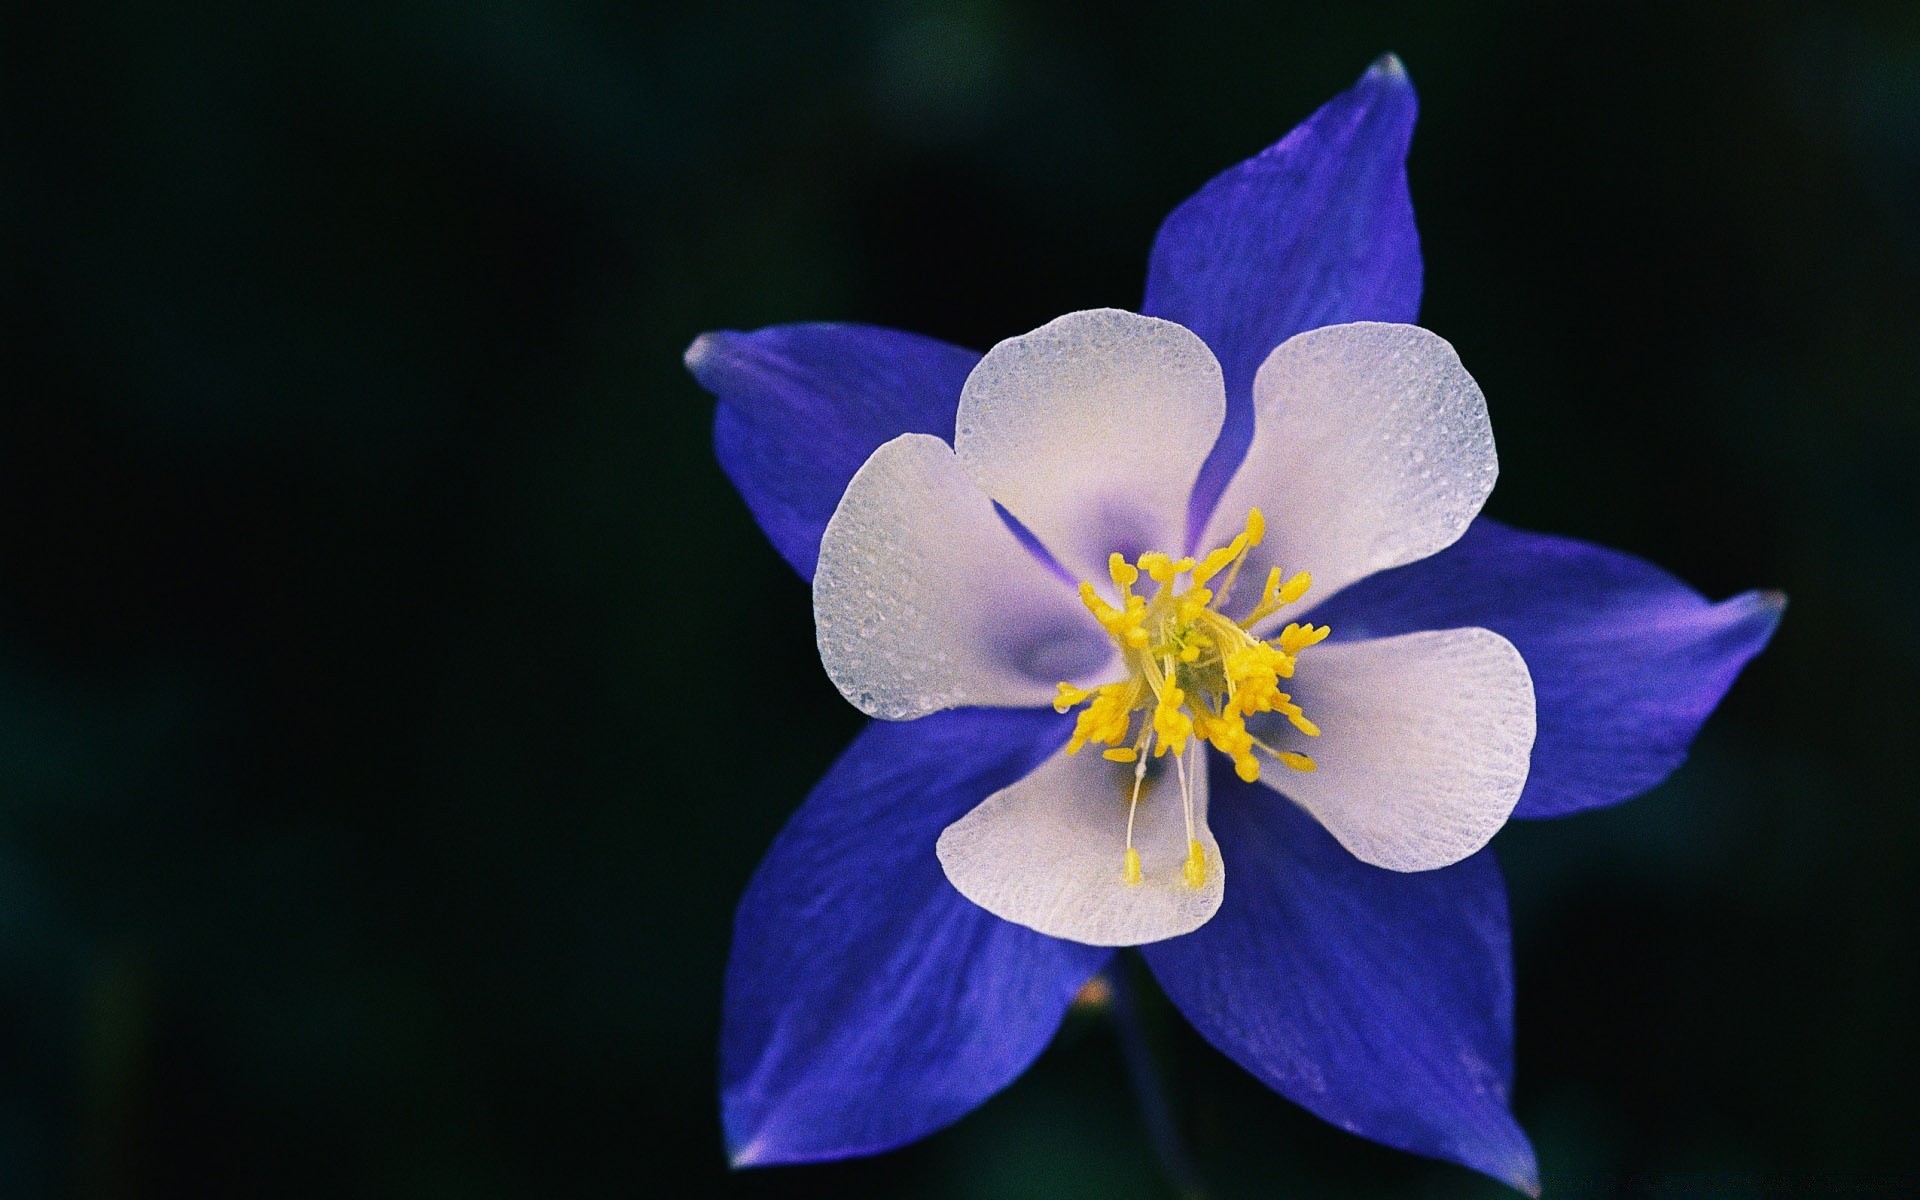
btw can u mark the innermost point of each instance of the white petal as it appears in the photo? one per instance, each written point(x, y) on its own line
point(924, 600)
point(1371, 448)
point(1091, 429)
point(1423, 746)
point(1049, 852)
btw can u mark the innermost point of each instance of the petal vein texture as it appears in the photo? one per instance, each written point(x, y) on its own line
point(1423, 748)
point(924, 599)
point(802, 406)
point(1627, 661)
point(1316, 230)
point(867, 1002)
point(1047, 852)
point(1379, 1001)
point(1371, 448)
point(1090, 430)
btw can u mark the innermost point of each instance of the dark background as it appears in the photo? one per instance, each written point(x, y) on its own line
point(394, 697)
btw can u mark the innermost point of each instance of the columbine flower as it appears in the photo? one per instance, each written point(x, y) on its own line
point(1119, 516)
point(1370, 447)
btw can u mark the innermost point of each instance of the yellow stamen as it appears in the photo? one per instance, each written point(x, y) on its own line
point(1193, 674)
point(1130, 866)
point(1268, 598)
point(1196, 870)
point(1161, 569)
point(1295, 638)
point(1256, 532)
point(1171, 725)
point(1218, 561)
point(1277, 595)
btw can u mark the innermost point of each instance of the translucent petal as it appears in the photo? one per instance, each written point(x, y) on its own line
point(1371, 448)
point(924, 600)
point(1091, 429)
point(1048, 852)
point(1423, 746)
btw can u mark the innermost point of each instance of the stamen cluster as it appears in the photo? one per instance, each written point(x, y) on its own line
point(1192, 671)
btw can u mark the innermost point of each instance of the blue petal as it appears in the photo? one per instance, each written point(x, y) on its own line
point(1316, 230)
point(1627, 661)
point(802, 406)
point(1379, 1001)
point(868, 1003)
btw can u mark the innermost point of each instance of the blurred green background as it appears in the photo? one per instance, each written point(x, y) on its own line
point(372, 807)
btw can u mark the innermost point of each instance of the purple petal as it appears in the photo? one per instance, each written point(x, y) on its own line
point(1316, 230)
point(1379, 1001)
point(802, 406)
point(1627, 661)
point(868, 1003)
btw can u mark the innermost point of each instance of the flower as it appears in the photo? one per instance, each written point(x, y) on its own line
point(1371, 447)
point(1117, 514)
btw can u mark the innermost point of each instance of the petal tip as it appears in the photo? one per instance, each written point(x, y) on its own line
point(743, 1134)
point(1511, 1160)
point(1521, 1171)
point(1387, 84)
point(745, 1156)
point(1387, 66)
point(699, 352)
point(1758, 612)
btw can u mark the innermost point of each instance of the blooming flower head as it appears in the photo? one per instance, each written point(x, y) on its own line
point(1184, 632)
point(1371, 448)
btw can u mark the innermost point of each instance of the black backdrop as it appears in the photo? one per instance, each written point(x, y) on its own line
point(362, 557)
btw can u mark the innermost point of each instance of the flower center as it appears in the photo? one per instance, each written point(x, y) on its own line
point(1193, 674)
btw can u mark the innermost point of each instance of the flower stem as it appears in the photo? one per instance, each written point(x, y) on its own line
point(1149, 1088)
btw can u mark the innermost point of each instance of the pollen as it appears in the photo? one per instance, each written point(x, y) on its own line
point(1194, 674)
